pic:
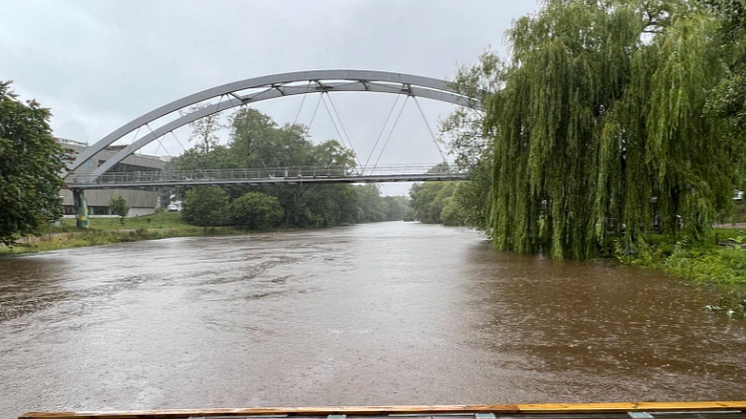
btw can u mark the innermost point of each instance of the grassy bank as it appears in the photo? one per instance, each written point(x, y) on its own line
point(159, 220)
point(110, 230)
point(719, 263)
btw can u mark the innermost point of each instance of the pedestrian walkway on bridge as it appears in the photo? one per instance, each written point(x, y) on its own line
point(269, 175)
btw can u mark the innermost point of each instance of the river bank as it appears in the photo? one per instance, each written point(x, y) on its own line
point(110, 230)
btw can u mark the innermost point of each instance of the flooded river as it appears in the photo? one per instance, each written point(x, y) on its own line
point(388, 313)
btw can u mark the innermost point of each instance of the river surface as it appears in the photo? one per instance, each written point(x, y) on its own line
point(387, 313)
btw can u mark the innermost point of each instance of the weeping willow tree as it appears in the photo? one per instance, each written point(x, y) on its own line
point(601, 126)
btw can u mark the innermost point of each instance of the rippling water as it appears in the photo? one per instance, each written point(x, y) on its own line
point(387, 313)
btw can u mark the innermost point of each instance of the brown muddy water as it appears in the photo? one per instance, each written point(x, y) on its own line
point(387, 313)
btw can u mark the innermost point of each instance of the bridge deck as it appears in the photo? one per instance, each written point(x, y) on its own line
point(644, 410)
point(289, 175)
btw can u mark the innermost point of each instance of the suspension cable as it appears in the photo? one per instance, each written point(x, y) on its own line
point(216, 114)
point(178, 141)
point(155, 153)
point(349, 140)
point(432, 135)
point(159, 146)
point(160, 143)
point(381, 133)
point(301, 103)
point(135, 136)
point(391, 132)
point(336, 128)
point(314, 111)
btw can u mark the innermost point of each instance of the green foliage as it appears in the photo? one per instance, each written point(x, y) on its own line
point(470, 142)
point(159, 220)
point(472, 197)
point(603, 106)
point(119, 206)
point(206, 206)
point(256, 211)
point(724, 266)
point(204, 129)
point(396, 207)
point(371, 207)
point(451, 215)
point(428, 200)
point(257, 142)
point(30, 163)
point(720, 263)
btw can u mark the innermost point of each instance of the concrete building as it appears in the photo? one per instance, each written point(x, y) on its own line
point(142, 202)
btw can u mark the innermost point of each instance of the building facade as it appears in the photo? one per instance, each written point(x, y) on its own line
point(141, 202)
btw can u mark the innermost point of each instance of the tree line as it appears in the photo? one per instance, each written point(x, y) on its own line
point(257, 141)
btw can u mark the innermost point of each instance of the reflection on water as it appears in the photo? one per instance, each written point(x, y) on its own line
point(388, 313)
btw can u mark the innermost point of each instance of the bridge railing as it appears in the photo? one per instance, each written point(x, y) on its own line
point(290, 172)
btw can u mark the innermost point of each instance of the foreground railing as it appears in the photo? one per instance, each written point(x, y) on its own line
point(292, 172)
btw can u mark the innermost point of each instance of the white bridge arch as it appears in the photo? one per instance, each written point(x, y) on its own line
point(274, 86)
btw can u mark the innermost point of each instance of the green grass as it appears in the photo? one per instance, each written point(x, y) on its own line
point(159, 220)
point(109, 231)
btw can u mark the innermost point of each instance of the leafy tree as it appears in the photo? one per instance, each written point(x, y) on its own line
point(256, 211)
point(372, 207)
point(257, 142)
point(428, 200)
point(325, 205)
point(219, 157)
point(469, 140)
point(206, 206)
point(451, 215)
point(204, 130)
point(30, 163)
point(604, 106)
point(119, 206)
point(396, 207)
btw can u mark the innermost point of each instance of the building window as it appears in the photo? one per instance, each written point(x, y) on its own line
point(98, 210)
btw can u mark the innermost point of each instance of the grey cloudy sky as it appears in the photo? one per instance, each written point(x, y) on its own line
point(98, 64)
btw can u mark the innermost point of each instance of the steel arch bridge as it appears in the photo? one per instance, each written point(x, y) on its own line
point(231, 95)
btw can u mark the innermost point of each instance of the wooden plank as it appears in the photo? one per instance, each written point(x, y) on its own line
point(416, 409)
point(322, 411)
point(630, 407)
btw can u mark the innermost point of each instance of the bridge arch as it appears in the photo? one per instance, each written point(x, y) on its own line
point(275, 86)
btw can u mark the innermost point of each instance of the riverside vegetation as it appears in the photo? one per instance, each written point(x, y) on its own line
point(615, 129)
point(256, 141)
point(109, 231)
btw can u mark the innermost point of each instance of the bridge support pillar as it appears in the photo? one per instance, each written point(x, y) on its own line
point(81, 208)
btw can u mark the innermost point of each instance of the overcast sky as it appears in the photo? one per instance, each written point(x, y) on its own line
point(99, 64)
